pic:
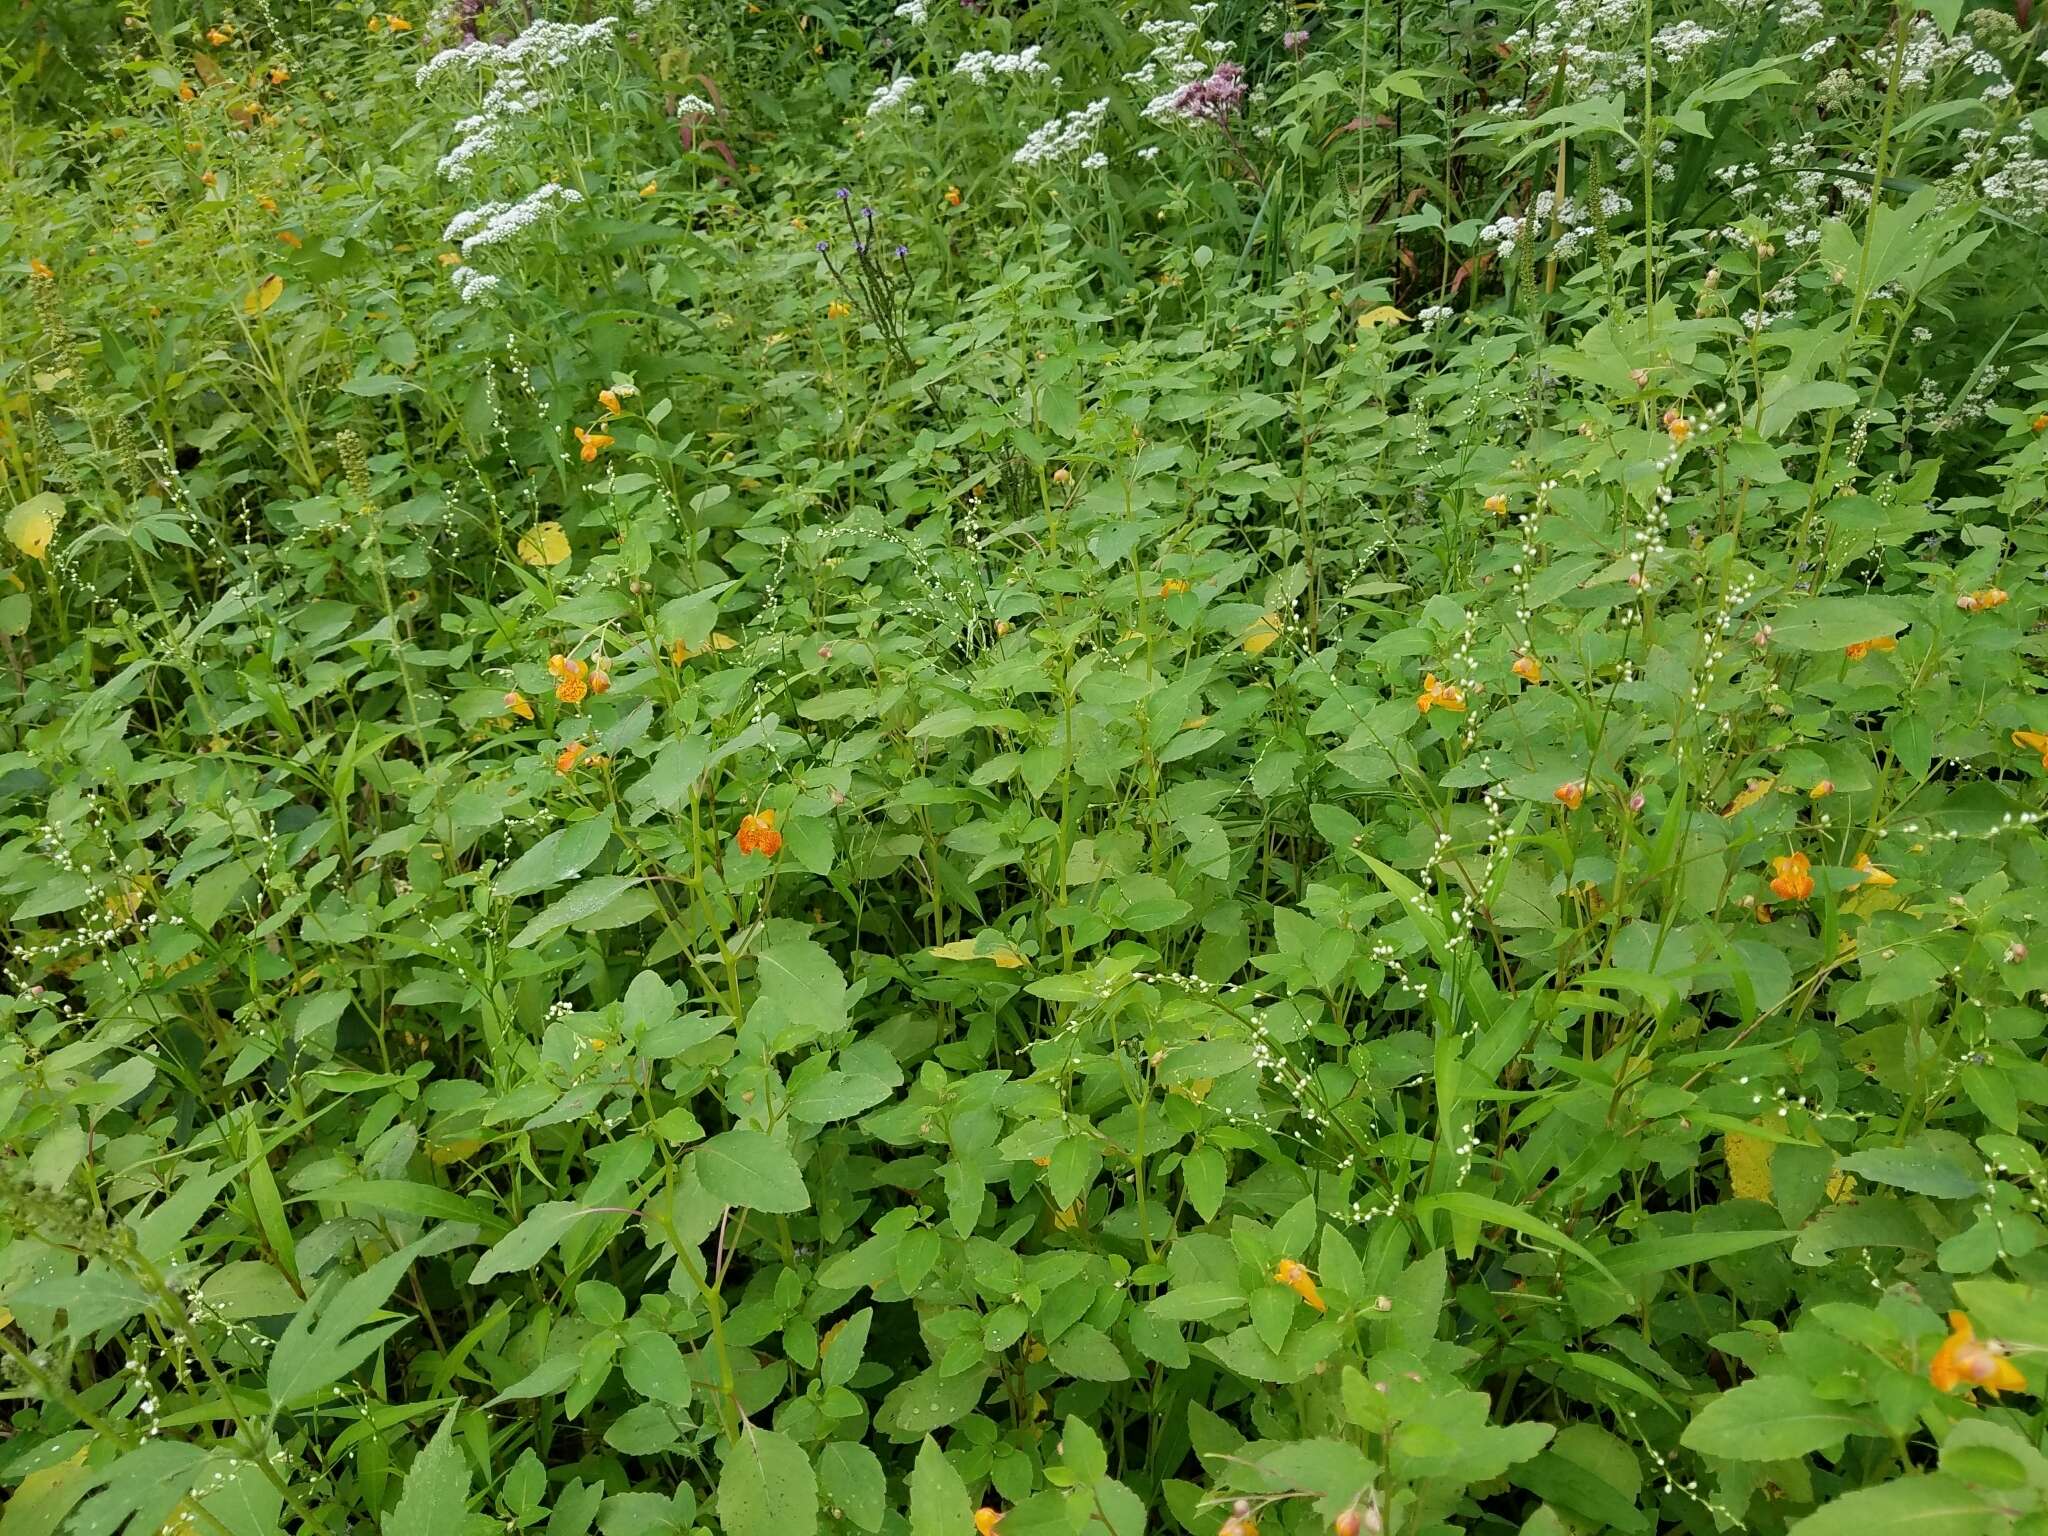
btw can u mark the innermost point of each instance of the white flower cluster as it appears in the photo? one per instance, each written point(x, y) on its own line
point(1662, 168)
point(1180, 56)
point(511, 97)
point(1800, 199)
point(1681, 40)
point(1572, 40)
point(2014, 178)
point(1433, 315)
point(695, 106)
point(1095, 162)
point(543, 45)
point(888, 98)
point(472, 286)
point(1575, 223)
point(1928, 53)
point(495, 223)
point(1062, 136)
point(912, 11)
point(981, 66)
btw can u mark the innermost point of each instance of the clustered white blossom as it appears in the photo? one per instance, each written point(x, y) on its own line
point(1180, 56)
point(981, 66)
point(887, 98)
point(1095, 162)
point(1928, 53)
point(2012, 177)
point(543, 45)
point(1433, 315)
point(1595, 42)
point(1062, 136)
point(1800, 199)
point(695, 106)
point(912, 11)
point(471, 285)
point(1575, 222)
point(1662, 168)
point(1681, 40)
point(493, 223)
point(511, 97)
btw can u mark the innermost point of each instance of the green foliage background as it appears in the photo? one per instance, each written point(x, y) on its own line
point(418, 1114)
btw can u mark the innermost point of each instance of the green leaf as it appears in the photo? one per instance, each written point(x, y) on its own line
point(334, 1333)
point(850, 1479)
point(1917, 1169)
point(1935, 1505)
point(604, 901)
point(1771, 1418)
point(1833, 623)
point(435, 1498)
point(556, 857)
point(751, 1169)
point(939, 1505)
point(526, 1244)
point(766, 1486)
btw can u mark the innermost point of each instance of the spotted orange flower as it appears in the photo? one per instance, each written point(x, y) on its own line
point(374, 24)
point(986, 1520)
point(837, 310)
point(757, 834)
point(2040, 423)
point(567, 758)
point(279, 75)
point(572, 679)
point(185, 91)
point(398, 23)
point(953, 199)
point(1821, 790)
point(215, 36)
point(600, 680)
point(37, 267)
point(1677, 425)
point(286, 237)
point(609, 399)
point(1528, 668)
point(1497, 504)
point(1571, 794)
point(1790, 878)
point(1172, 586)
point(594, 443)
point(1872, 875)
point(1966, 1361)
point(1983, 600)
point(1291, 1273)
point(1436, 695)
point(517, 703)
point(2032, 741)
point(1862, 648)
point(650, 189)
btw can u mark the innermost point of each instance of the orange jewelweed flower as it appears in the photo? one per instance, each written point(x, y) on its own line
point(1676, 424)
point(1872, 875)
point(594, 443)
point(986, 1520)
point(375, 24)
point(609, 399)
point(2033, 741)
point(650, 189)
point(1862, 648)
point(1528, 668)
point(1983, 599)
point(757, 834)
point(517, 703)
point(600, 680)
point(215, 36)
point(1497, 504)
point(1821, 790)
point(37, 267)
point(1172, 586)
point(953, 198)
point(290, 239)
point(1571, 794)
point(565, 760)
point(1436, 695)
point(398, 23)
point(279, 75)
point(185, 91)
point(1966, 1361)
point(1290, 1273)
point(837, 311)
point(1789, 877)
point(2040, 423)
point(572, 679)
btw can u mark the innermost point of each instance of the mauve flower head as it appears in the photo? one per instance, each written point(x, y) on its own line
point(902, 251)
point(824, 246)
point(868, 214)
point(843, 194)
point(1294, 42)
point(1213, 99)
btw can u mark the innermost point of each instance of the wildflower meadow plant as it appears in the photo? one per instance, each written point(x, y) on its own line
point(770, 771)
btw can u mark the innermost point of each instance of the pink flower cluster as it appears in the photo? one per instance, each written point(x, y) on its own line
point(1212, 99)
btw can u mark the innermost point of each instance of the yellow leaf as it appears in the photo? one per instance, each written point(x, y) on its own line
point(544, 544)
point(1841, 1186)
point(1070, 1218)
point(1007, 956)
point(1261, 633)
point(1386, 314)
point(31, 525)
point(1754, 791)
point(1749, 1165)
point(445, 1152)
point(263, 295)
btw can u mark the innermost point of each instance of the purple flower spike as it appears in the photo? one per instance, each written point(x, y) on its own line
point(842, 194)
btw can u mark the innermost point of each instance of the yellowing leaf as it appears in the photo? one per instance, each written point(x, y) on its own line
point(1749, 1165)
point(32, 525)
point(445, 1152)
point(1385, 314)
point(1841, 1186)
point(680, 652)
point(1006, 955)
point(1752, 792)
point(263, 295)
point(1069, 1219)
point(544, 544)
point(1261, 633)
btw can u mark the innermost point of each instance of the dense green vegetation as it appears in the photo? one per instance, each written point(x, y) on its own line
point(1035, 769)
